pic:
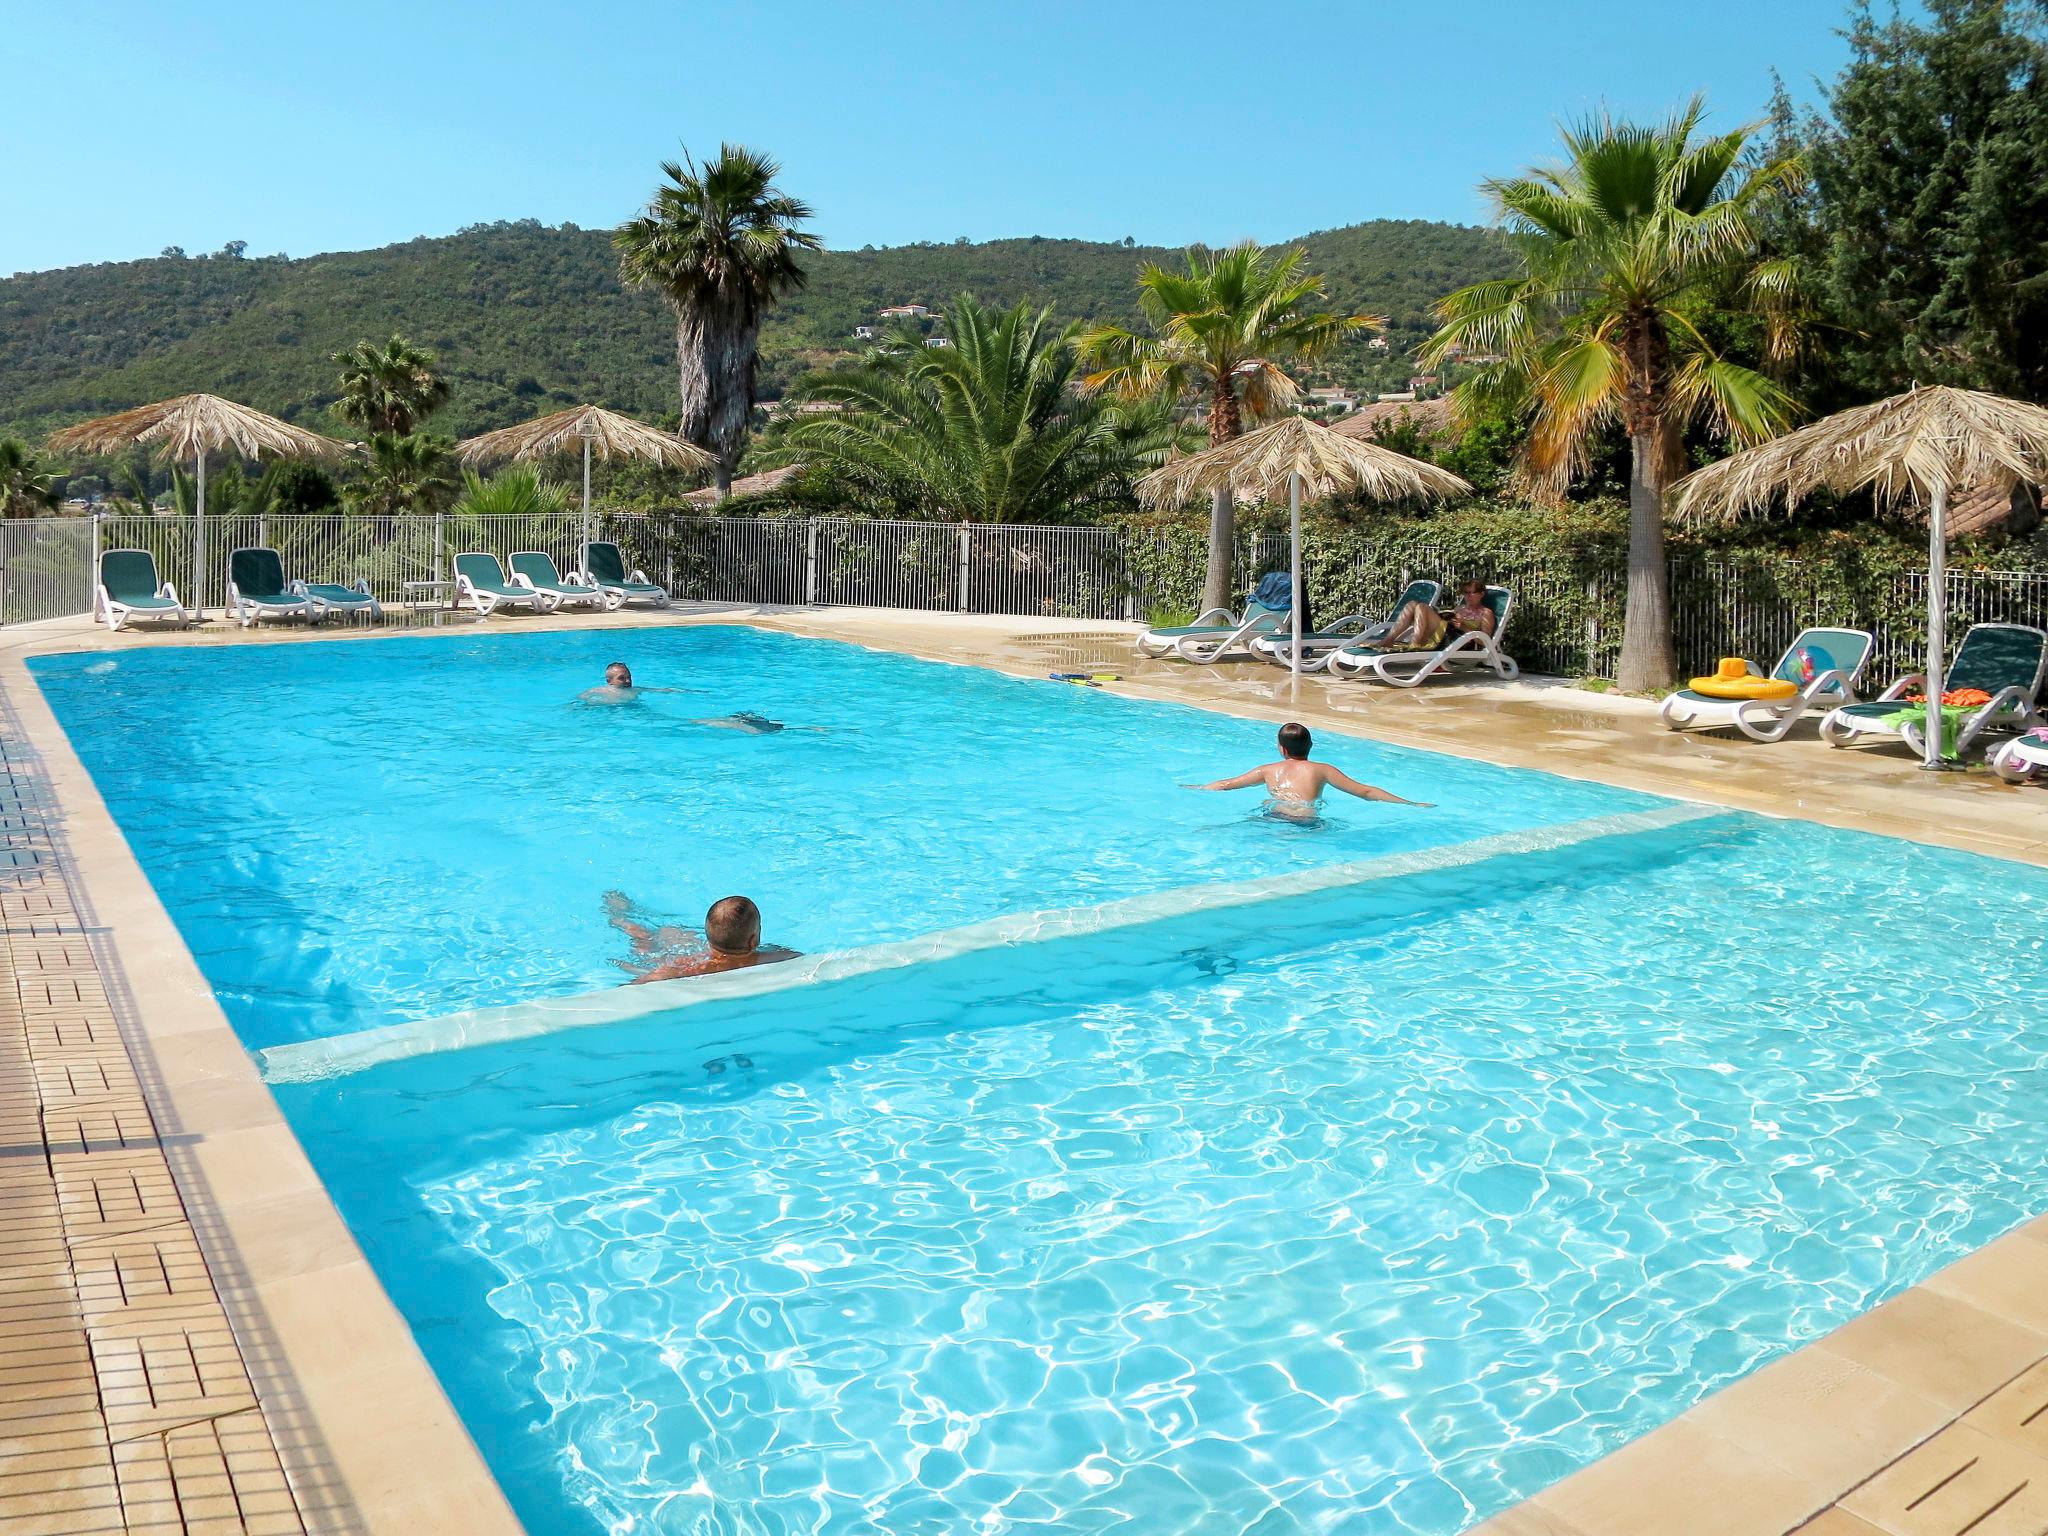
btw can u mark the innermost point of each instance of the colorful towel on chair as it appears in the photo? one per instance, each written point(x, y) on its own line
point(1952, 716)
point(1959, 697)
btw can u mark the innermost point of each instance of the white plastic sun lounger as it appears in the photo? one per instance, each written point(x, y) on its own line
point(602, 564)
point(480, 581)
point(1836, 658)
point(257, 588)
point(1219, 634)
point(1353, 629)
point(1406, 669)
point(332, 597)
point(535, 569)
point(2006, 661)
point(128, 588)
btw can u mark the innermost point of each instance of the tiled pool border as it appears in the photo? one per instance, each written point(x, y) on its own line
point(1927, 1415)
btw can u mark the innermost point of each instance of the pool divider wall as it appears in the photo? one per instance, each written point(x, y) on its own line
point(337, 1055)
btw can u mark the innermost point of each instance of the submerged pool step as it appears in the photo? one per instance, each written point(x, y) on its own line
point(335, 1055)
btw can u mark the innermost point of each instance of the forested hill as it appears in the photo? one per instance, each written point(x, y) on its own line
point(528, 318)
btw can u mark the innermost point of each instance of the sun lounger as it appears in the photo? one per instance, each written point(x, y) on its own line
point(2004, 660)
point(257, 590)
point(480, 580)
point(2022, 757)
point(128, 588)
point(1353, 628)
point(330, 597)
point(535, 569)
point(1836, 658)
point(1219, 633)
point(1405, 669)
point(603, 565)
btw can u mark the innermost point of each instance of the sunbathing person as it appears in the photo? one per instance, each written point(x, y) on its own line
point(1296, 784)
point(1419, 627)
point(731, 940)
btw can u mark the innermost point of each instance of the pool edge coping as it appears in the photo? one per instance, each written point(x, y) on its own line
point(1807, 1441)
point(362, 1426)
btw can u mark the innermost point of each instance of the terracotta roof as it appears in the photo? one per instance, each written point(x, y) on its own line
point(1985, 508)
point(1433, 417)
point(746, 485)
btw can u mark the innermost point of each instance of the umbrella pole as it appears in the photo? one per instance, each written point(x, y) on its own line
point(1294, 563)
point(199, 540)
point(582, 550)
point(1937, 621)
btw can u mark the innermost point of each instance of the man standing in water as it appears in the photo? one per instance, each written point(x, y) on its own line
point(1296, 784)
point(732, 939)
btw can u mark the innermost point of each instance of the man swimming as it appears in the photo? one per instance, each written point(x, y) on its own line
point(619, 687)
point(748, 723)
point(732, 940)
point(1296, 784)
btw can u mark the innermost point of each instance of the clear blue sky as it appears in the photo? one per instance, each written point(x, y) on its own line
point(304, 128)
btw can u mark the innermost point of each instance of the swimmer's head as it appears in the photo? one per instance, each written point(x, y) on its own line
point(733, 926)
point(1295, 740)
point(618, 675)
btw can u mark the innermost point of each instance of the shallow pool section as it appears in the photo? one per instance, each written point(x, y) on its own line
point(367, 832)
point(1371, 1210)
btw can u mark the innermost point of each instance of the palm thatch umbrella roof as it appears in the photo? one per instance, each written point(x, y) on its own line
point(1303, 458)
point(607, 434)
point(1923, 447)
point(194, 425)
point(1261, 465)
point(1905, 448)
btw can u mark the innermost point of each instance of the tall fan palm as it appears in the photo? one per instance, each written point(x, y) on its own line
point(720, 244)
point(986, 430)
point(408, 473)
point(25, 487)
point(1626, 248)
point(1221, 328)
point(392, 388)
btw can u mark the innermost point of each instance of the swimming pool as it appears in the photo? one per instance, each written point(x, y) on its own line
point(1377, 1206)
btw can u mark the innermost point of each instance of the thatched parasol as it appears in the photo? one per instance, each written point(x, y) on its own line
point(604, 433)
point(194, 426)
point(1922, 447)
point(1305, 457)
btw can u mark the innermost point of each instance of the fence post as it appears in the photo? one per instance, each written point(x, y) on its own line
point(966, 538)
point(1592, 626)
point(92, 575)
point(1128, 540)
point(810, 562)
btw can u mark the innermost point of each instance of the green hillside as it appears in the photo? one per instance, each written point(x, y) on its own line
point(528, 318)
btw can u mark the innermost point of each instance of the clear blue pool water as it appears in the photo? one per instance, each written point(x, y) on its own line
point(1373, 1210)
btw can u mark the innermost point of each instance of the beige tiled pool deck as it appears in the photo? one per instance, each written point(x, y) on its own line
point(191, 1342)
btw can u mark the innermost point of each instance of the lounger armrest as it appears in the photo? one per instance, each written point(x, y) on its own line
point(2004, 699)
point(1837, 679)
point(1224, 615)
point(166, 589)
point(521, 579)
point(1902, 686)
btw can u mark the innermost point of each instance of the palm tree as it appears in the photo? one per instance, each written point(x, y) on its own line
point(515, 491)
point(1221, 328)
point(392, 388)
point(720, 244)
point(25, 487)
point(988, 429)
point(404, 473)
point(1627, 249)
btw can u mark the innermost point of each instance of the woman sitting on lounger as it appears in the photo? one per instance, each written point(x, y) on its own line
point(1419, 627)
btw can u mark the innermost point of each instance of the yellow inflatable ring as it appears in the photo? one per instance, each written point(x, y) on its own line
point(1733, 680)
